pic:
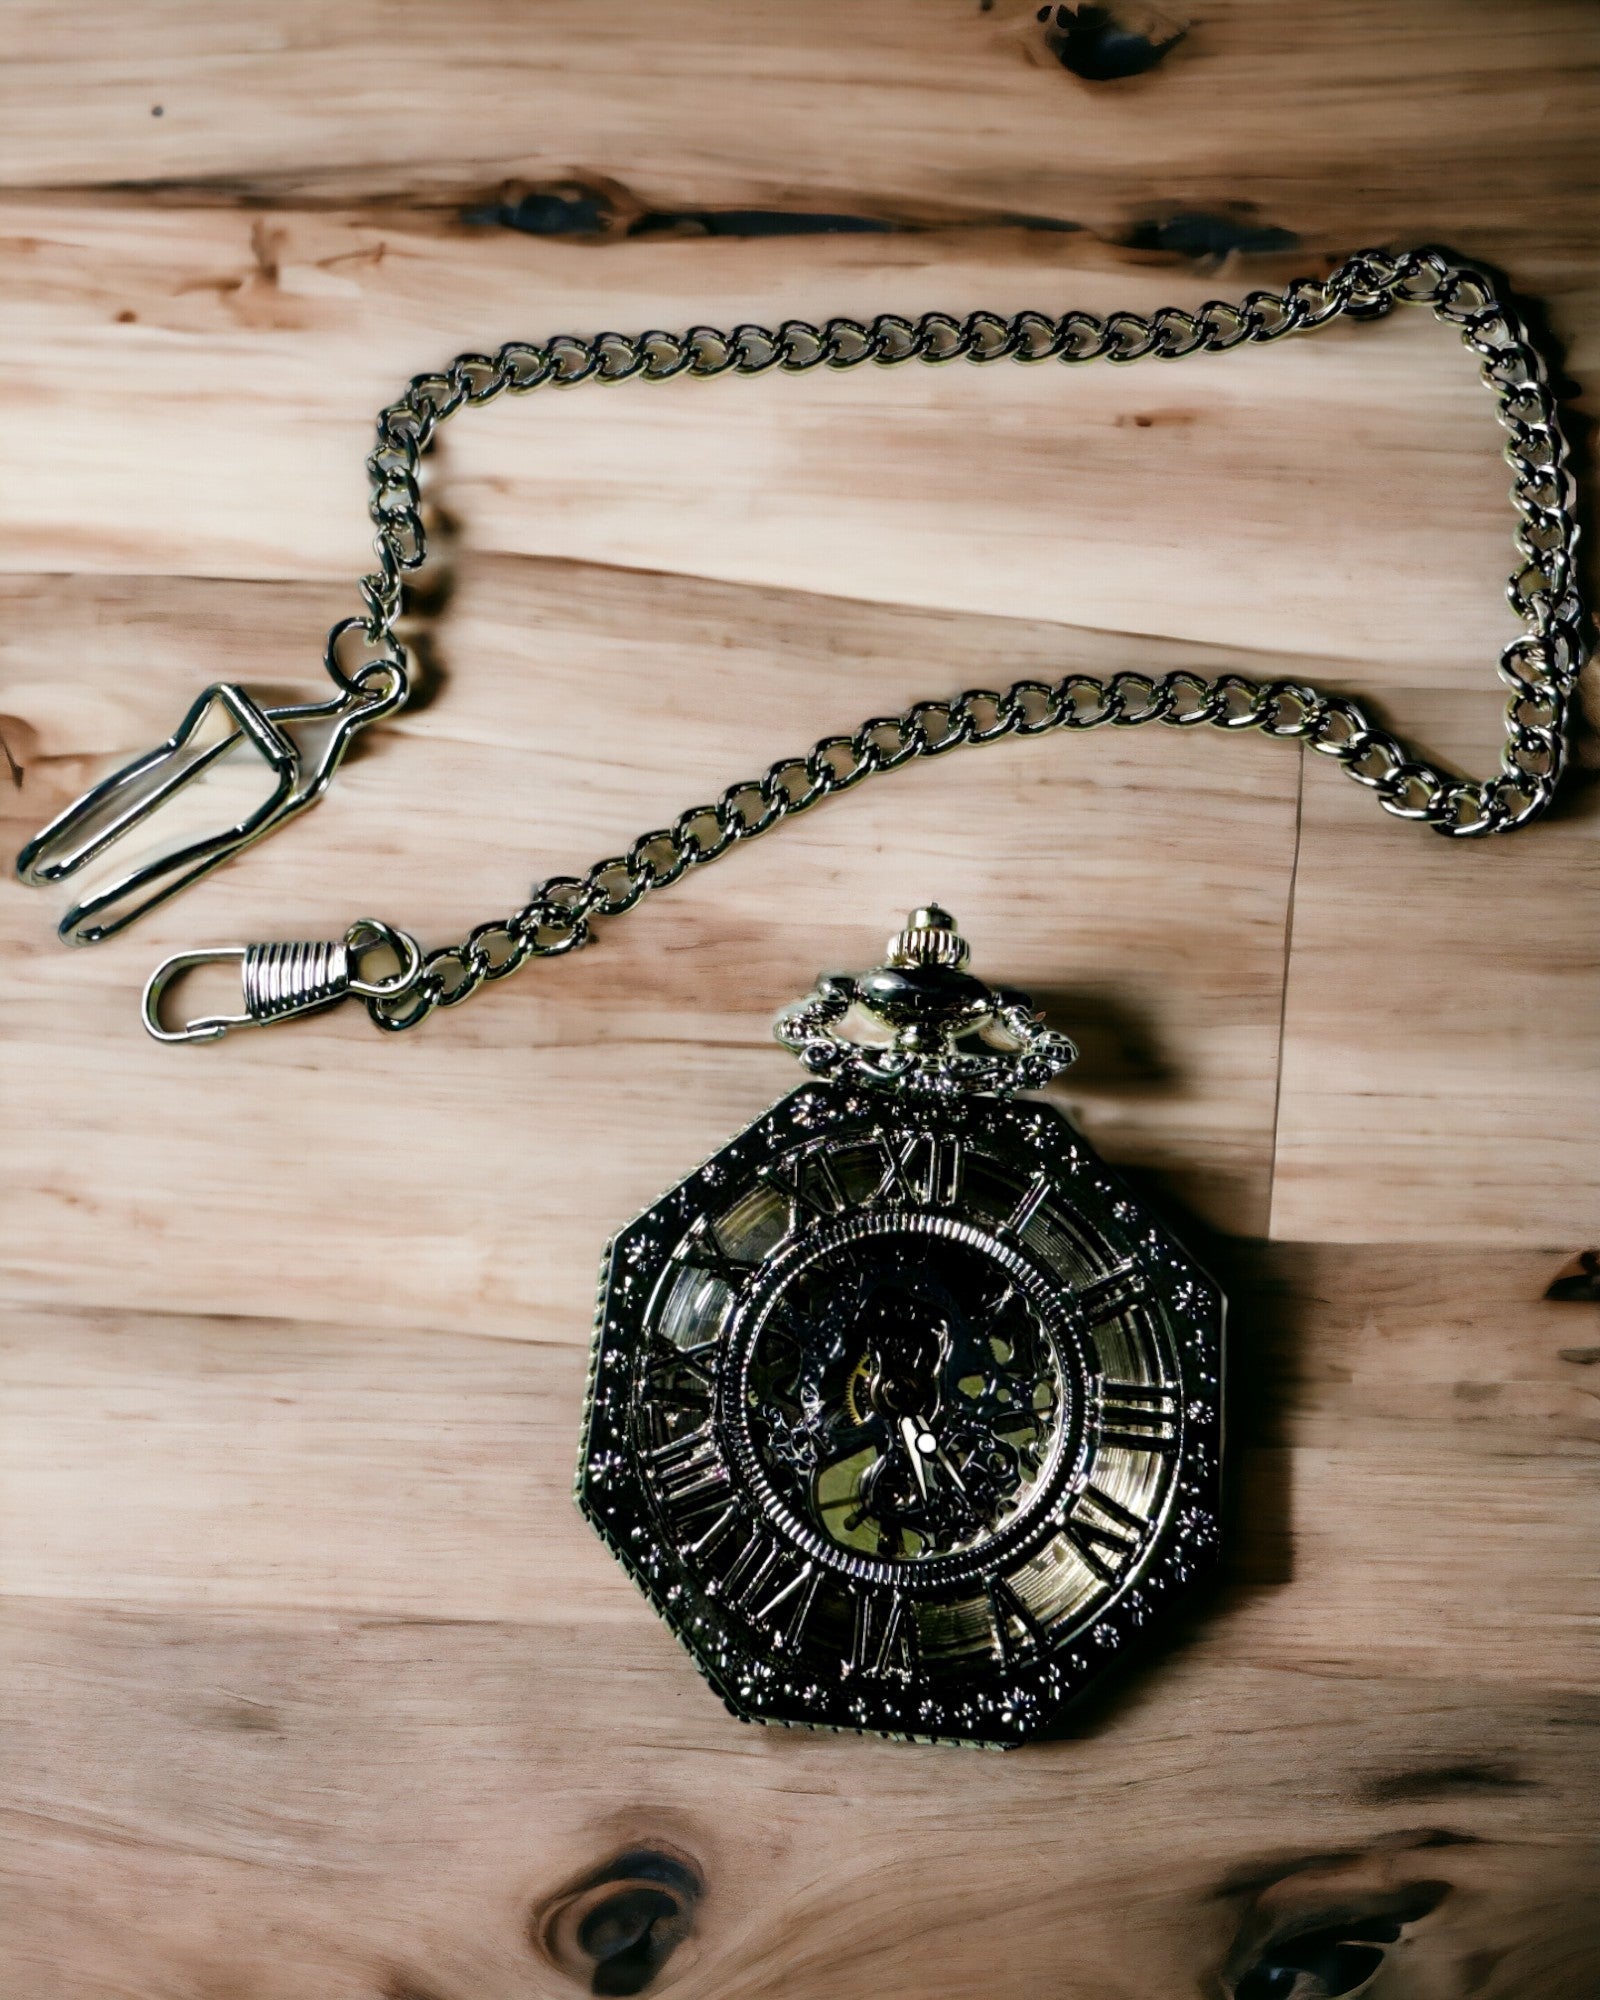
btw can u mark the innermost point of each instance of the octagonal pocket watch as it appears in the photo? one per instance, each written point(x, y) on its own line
point(903, 1413)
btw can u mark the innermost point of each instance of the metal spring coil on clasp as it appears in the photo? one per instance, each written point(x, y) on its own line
point(294, 977)
point(281, 980)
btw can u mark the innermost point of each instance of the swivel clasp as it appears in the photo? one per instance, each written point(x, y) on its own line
point(282, 981)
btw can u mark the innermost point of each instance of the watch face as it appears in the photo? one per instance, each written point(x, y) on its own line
point(905, 1416)
point(898, 1394)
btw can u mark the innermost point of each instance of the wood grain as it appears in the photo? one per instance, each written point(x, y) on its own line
point(1290, 112)
point(345, 1674)
point(1486, 975)
point(445, 1151)
point(1366, 517)
point(316, 1687)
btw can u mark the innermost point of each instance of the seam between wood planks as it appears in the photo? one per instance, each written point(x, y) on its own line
point(1283, 997)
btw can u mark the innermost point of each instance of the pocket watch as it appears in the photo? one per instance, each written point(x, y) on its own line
point(904, 1413)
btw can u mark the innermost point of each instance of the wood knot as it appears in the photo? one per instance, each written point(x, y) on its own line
point(614, 1929)
point(594, 210)
point(1578, 1280)
point(1208, 237)
point(1103, 43)
point(1323, 1929)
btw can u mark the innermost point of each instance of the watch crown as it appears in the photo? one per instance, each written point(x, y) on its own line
point(929, 938)
point(937, 1013)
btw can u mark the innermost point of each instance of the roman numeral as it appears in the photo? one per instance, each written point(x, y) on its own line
point(709, 1537)
point(766, 1584)
point(786, 1610)
point(1006, 1608)
point(702, 1249)
point(926, 1168)
point(894, 1185)
point(680, 1376)
point(1119, 1532)
point(1033, 1196)
point(807, 1181)
point(1112, 1294)
point(745, 1581)
point(689, 1476)
point(1137, 1416)
point(884, 1638)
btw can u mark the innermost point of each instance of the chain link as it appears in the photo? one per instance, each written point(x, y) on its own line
point(1540, 666)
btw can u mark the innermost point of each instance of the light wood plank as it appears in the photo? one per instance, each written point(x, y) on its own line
point(195, 1792)
point(1350, 117)
point(222, 432)
point(467, 1175)
point(1435, 1431)
point(313, 1687)
point(1442, 1027)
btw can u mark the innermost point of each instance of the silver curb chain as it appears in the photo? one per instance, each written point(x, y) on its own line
point(1540, 665)
point(368, 660)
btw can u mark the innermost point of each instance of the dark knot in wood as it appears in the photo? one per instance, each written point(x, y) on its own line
point(614, 1929)
point(1103, 43)
point(1323, 1929)
point(1578, 1282)
point(600, 210)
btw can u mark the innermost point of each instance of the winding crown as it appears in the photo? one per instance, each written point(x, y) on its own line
point(929, 938)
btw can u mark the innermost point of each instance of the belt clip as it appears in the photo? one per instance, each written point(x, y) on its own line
point(120, 802)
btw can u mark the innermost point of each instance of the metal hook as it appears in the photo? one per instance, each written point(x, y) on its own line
point(121, 801)
point(281, 981)
point(208, 1027)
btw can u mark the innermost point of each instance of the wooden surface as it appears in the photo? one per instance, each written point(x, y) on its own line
point(316, 1687)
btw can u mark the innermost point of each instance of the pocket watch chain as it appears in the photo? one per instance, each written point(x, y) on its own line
point(367, 660)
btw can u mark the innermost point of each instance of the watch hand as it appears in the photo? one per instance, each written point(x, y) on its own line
point(917, 1445)
point(955, 1477)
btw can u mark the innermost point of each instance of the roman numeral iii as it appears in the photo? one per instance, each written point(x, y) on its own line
point(1136, 1416)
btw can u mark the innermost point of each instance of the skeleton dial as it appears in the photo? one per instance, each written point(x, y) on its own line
point(906, 1418)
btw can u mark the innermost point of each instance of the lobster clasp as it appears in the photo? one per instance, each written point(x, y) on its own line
point(281, 981)
point(120, 802)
